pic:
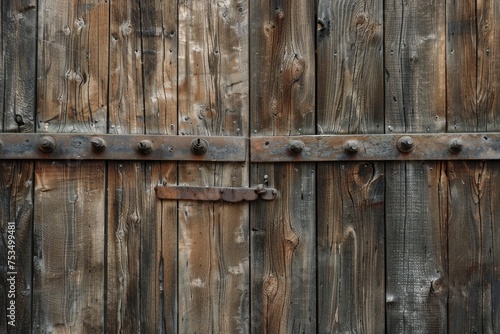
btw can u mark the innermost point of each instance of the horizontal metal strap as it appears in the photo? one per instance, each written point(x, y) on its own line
point(227, 194)
point(449, 146)
point(121, 147)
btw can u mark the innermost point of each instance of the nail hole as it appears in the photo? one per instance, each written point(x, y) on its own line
point(485, 138)
point(267, 143)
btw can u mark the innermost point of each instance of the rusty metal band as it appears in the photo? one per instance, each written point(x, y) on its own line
point(121, 147)
point(227, 194)
point(449, 146)
point(385, 147)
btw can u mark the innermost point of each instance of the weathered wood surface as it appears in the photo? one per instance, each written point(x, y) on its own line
point(283, 234)
point(473, 85)
point(416, 251)
point(97, 251)
point(16, 191)
point(213, 100)
point(17, 98)
point(69, 218)
point(159, 231)
point(350, 195)
point(129, 211)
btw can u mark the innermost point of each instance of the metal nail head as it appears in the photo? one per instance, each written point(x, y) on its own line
point(405, 144)
point(145, 146)
point(352, 146)
point(199, 146)
point(456, 145)
point(98, 144)
point(296, 146)
point(47, 144)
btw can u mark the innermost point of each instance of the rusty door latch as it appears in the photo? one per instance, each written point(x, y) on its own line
point(227, 194)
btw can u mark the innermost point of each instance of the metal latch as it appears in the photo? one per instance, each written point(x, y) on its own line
point(227, 194)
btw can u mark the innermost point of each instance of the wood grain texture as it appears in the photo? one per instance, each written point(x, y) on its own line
point(16, 200)
point(473, 31)
point(69, 196)
point(17, 98)
point(69, 247)
point(159, 232)
point(128, 204)
point(351, 204)
point(283, 233)
point(415, 101)
point(213, 100)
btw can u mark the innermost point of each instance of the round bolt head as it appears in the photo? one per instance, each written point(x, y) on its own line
point(47, 144)
point(145, 146)
point(456, 145)
point(352, 146)
point(98, 144)
point(296, 146)
point(199, 146)
point(405, 144)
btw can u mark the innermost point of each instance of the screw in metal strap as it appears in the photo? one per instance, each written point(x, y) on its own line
point(47, 144)
point(199, 146)
point(296, 146)
point(145, 146)
point(405, 144)
point(352, 146)
point(98, 144)
point(456, 145)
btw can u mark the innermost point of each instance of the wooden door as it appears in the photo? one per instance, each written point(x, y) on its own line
point(347, 246)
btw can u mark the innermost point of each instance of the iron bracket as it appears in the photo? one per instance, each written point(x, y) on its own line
point(448, 146)
point(227, 194)
point(55, 146)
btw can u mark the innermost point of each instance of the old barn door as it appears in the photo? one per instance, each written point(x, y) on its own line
point(366, 127)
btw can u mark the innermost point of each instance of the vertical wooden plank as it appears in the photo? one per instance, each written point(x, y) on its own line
point(351, 205)
point(16, 214)
point(473, 84)
point(213, 100)
point(283, 233)
point(158, 266)
point(69, 196)
point(127, 202)
point(17, 103)
point(416, 254)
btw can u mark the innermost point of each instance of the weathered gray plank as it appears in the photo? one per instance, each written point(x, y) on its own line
point(69, 247)
point(127, 203)
point(351, 195)
point(213, 100)
point(17, 98)
point(158, 267)
point(16, 206)
point(69, 196)
point(472, 73)
point(283, 234)
point(416, 253)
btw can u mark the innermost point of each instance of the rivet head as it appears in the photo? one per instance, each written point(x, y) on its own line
point(352, 146)
point(98, 144)
point(456, 145)
point(199, 146)
point(145, 146)
point(296, 146)
point(47, 144)
point(406, 144)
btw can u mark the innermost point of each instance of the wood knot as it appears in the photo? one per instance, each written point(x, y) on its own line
point(437, 285)
point(270, 286)
point(361, 19)
point(298, 67)
point(291, 239)
point(268, 28)
point(323, 27)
